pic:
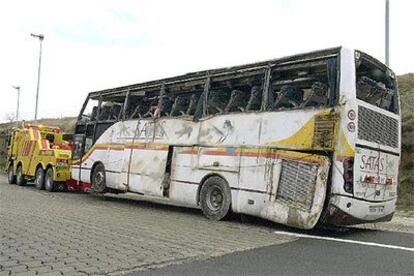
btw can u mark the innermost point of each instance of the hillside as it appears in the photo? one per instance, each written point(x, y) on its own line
point(406, 186)
point(67, 124)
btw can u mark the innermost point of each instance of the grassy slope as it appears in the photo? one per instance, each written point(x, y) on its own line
point(406, 186)
point(67, 124)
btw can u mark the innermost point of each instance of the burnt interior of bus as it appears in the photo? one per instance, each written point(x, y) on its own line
point(303, 81)
point(375, 84)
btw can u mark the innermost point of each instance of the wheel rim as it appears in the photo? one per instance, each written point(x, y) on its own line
point(10, 174)
point(38, 179)
point(19, 174)
point(99, 179)
point(215, 198)
point(49, 180)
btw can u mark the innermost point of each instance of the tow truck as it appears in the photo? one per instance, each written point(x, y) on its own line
point(41, 154)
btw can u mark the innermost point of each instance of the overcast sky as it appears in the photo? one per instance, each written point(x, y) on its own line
point(93, 45)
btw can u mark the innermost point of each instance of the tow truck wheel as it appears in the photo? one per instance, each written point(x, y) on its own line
point(40, 179)
point(99, 179)
point(49, 183)
point(10, 175)
point(20, 177)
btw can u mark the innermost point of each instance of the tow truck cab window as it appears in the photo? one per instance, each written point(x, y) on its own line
point(50, 138)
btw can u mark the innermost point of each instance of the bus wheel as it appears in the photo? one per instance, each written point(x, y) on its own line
point(99, 179)
point(40, 179)
point(215, 198)
point(10, 175)
point(49, 183)
point(19, 177)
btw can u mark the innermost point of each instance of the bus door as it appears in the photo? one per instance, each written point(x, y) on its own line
point(119, 154)
point(78, 150)
point(83, 140)
point(148, 161)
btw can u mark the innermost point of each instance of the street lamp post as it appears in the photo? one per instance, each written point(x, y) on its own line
point(387, 32)
point(40, 37)
point(18, 102)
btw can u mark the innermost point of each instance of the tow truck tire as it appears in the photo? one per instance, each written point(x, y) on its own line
point(49, 182)
point(40, 179)
point(99, 179)
point(20, 177)
point(11, 178)
point(215, 198)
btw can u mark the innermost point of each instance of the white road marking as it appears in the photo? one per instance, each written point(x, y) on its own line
point(344, 241)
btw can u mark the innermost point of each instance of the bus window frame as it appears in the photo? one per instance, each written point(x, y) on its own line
point(333, 93)
point(203, 101)
point(125, 105)
point(267, 92)
point(267, 97)
point(85, 103)
point(332, 96)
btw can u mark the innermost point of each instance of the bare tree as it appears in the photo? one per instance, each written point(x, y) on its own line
point(10, 117)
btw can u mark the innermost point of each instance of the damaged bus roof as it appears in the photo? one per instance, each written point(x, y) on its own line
point(199, 77)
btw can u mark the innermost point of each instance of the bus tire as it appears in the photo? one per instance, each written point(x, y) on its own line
point(98, 180)
point(215, 198)
point(40, 179)
point(20, 177)
point(11, 178)
point(49, 182)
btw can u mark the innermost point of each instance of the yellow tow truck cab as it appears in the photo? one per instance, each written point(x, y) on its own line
point(38, 153)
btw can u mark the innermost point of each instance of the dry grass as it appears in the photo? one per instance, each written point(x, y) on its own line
point(406, 177)
point(406, 182)
point(67, 124)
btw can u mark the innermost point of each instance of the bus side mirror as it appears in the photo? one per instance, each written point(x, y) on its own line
point(78, 146)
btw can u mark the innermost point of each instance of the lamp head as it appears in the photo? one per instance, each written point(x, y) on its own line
point(39, 36)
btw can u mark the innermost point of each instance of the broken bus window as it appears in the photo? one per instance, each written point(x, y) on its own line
point(375, 84)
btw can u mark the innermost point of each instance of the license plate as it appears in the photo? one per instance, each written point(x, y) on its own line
point(378, 209)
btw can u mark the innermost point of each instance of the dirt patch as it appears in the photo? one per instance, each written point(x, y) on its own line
point(403, 221)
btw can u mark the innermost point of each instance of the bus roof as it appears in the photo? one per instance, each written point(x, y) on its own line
point(199, 77)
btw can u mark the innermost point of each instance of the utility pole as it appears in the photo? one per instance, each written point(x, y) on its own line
point(18, 102)
point(387, 32)
point(40, 37)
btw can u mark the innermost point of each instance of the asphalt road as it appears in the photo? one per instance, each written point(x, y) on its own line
point(45, 233)
point(308, 256)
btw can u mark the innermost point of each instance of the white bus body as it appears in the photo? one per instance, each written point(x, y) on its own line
point(286, 166)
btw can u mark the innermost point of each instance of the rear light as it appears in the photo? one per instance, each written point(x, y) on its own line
point(388, 181)
point(348, 175)
point(369, 179)
point(351, 115)
point(351, 127)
